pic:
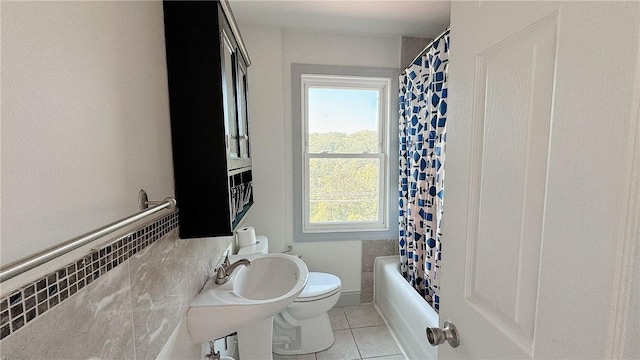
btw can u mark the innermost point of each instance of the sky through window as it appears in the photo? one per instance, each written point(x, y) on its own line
point(342, 110)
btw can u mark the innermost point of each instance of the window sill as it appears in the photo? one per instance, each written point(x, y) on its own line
point(345, 235)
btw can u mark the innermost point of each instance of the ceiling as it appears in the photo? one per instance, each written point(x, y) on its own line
point(417, 18)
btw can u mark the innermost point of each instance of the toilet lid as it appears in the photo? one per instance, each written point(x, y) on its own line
point(319, 285)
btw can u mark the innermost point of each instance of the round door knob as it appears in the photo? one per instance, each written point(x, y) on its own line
point(437, 336)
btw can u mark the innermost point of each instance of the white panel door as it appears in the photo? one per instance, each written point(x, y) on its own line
point(543, 116)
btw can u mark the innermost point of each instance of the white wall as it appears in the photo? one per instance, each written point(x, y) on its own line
point(85, 118)
point(85, 125)
point(272, 52)
point(267, 132)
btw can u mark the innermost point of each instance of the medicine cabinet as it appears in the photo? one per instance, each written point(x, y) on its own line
point(207, 75)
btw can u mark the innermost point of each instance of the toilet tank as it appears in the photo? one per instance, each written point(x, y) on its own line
point(261, 247)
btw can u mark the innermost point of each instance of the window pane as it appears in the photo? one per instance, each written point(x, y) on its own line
point(343, 120)
point(343, 190)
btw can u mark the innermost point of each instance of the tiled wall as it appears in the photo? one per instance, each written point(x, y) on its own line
point(370, 250)
point(410, 47)
point(121, 301)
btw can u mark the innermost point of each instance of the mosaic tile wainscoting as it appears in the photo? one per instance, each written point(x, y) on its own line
point(371, 249)
point(122, 301)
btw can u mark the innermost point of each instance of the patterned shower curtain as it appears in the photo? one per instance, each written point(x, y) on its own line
point(423, 119)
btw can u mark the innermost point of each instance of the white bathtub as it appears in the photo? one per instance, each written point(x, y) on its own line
point(406, 312)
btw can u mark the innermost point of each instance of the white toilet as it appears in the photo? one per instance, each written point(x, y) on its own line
point(303, 327)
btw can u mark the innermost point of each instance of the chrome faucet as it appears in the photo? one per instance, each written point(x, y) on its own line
point(225, 270)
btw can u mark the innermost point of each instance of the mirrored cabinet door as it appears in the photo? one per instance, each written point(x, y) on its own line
point(229, 96)
point(243, 118)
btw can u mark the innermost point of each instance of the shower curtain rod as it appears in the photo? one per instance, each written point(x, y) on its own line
point(445, 32)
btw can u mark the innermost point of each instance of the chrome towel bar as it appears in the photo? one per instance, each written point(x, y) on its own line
point(23, 265)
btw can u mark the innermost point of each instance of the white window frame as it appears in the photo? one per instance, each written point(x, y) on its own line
point(382, 86)
point(390, 209)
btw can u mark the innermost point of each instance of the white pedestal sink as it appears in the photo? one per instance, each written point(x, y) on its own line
point(247, 303)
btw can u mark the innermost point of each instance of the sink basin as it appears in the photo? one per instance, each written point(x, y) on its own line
point(254, 292)
point(268, 277)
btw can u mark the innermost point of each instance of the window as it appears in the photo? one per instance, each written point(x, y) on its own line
point(342, 153)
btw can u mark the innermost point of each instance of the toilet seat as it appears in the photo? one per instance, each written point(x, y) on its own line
point(319, 286)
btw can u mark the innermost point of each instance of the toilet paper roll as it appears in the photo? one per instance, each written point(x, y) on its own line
point(246, 236)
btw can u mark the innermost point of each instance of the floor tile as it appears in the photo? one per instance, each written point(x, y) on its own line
point(391, 357)
point(363, 315)
point(338, 319)
point(343, 349)
point(360, 333)
point(375, 341)
point(311, 356)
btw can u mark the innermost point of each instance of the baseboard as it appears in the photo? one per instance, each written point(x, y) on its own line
point(349, 298)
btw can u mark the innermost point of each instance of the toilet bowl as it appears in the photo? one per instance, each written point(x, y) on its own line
point(303, 326)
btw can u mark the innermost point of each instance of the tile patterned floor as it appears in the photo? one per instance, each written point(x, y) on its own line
point(360, 333)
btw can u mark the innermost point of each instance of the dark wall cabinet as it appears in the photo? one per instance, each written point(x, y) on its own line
point(207, 72)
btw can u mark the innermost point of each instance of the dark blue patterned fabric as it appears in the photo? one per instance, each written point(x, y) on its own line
point(423, 119)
